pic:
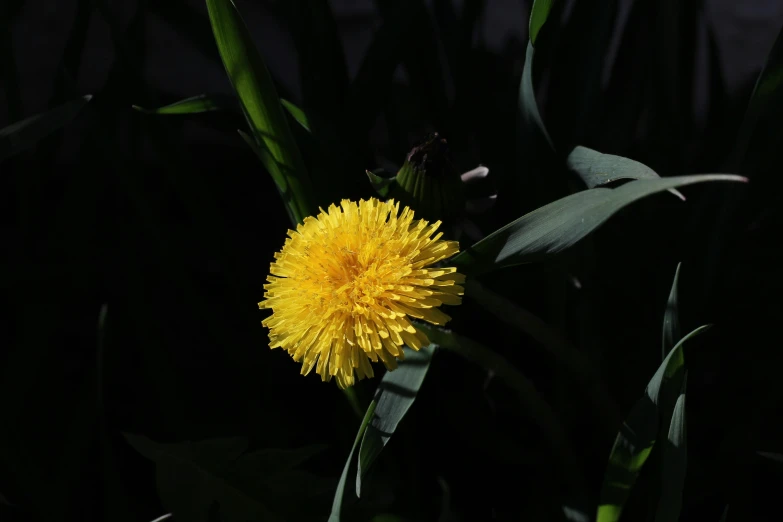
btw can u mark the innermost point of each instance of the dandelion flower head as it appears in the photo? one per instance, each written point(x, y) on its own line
point(344, 286)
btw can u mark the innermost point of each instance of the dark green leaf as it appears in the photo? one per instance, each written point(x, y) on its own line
point(559, 225)
point(538, 16)
point(535, 407)
point(24, 134)
point(597, 169)
point(530, 121)
point(260, 103)
point(383, 186)
point(671, 317)
point(297, 113)
point(675, 463)
point(777, 457)
point(337, 505)
point(193, 105)
point(763, 109)
point(395, 395)
point(194, 477)
point(639, 432)
point(725, 515)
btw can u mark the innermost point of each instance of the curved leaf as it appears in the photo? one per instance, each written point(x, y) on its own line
point(561, 224)
point(24, 134)
point(395, 395)
point(260, 103)
point(297, 113)
point(649, 418)
point(597, 169)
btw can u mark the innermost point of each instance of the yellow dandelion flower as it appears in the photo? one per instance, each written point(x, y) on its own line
point(346, 282)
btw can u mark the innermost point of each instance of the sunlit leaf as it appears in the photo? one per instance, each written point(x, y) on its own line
point(394, 396)
point(24, 134)
point(641, 429)
point(559, 225)
point(194, 105)
point(261, 105)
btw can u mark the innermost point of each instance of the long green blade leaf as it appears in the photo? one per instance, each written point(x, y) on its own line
point(675, 463)
point(297, 113)
point(259, 100)
point(639, 432)
point(395, 395)
point(597, 169)
point(538, 15)
point(24, 134)
point(337, 504)
point(193, 105)
point(559, 225)
point(671, 317)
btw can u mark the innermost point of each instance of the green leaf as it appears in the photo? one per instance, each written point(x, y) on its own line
point(763, 113)
point(675, 463)
point(538, 16)
point(262, 107)
point(394, 396)
point(337, 505)
point(559, 225)
point(383, 186)
point(194, 478)
point(297, 113)
point(534, 406)
point(24, 134)
point(193, 105)
point(671, 317)
point(597, 169)
point(639, 432)
point(725, 515)
point(529, 118)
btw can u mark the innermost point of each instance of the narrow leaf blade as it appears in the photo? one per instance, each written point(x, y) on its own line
point(337, 504)
point(538, 16)
point(193, 105)
point(675, 463)
point(24, 134)
point(640, 431)
point(396, 393)
point(561, 224)
point(259, 100)
point(671, 317)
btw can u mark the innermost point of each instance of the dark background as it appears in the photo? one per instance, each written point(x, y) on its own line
point(171, 222)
